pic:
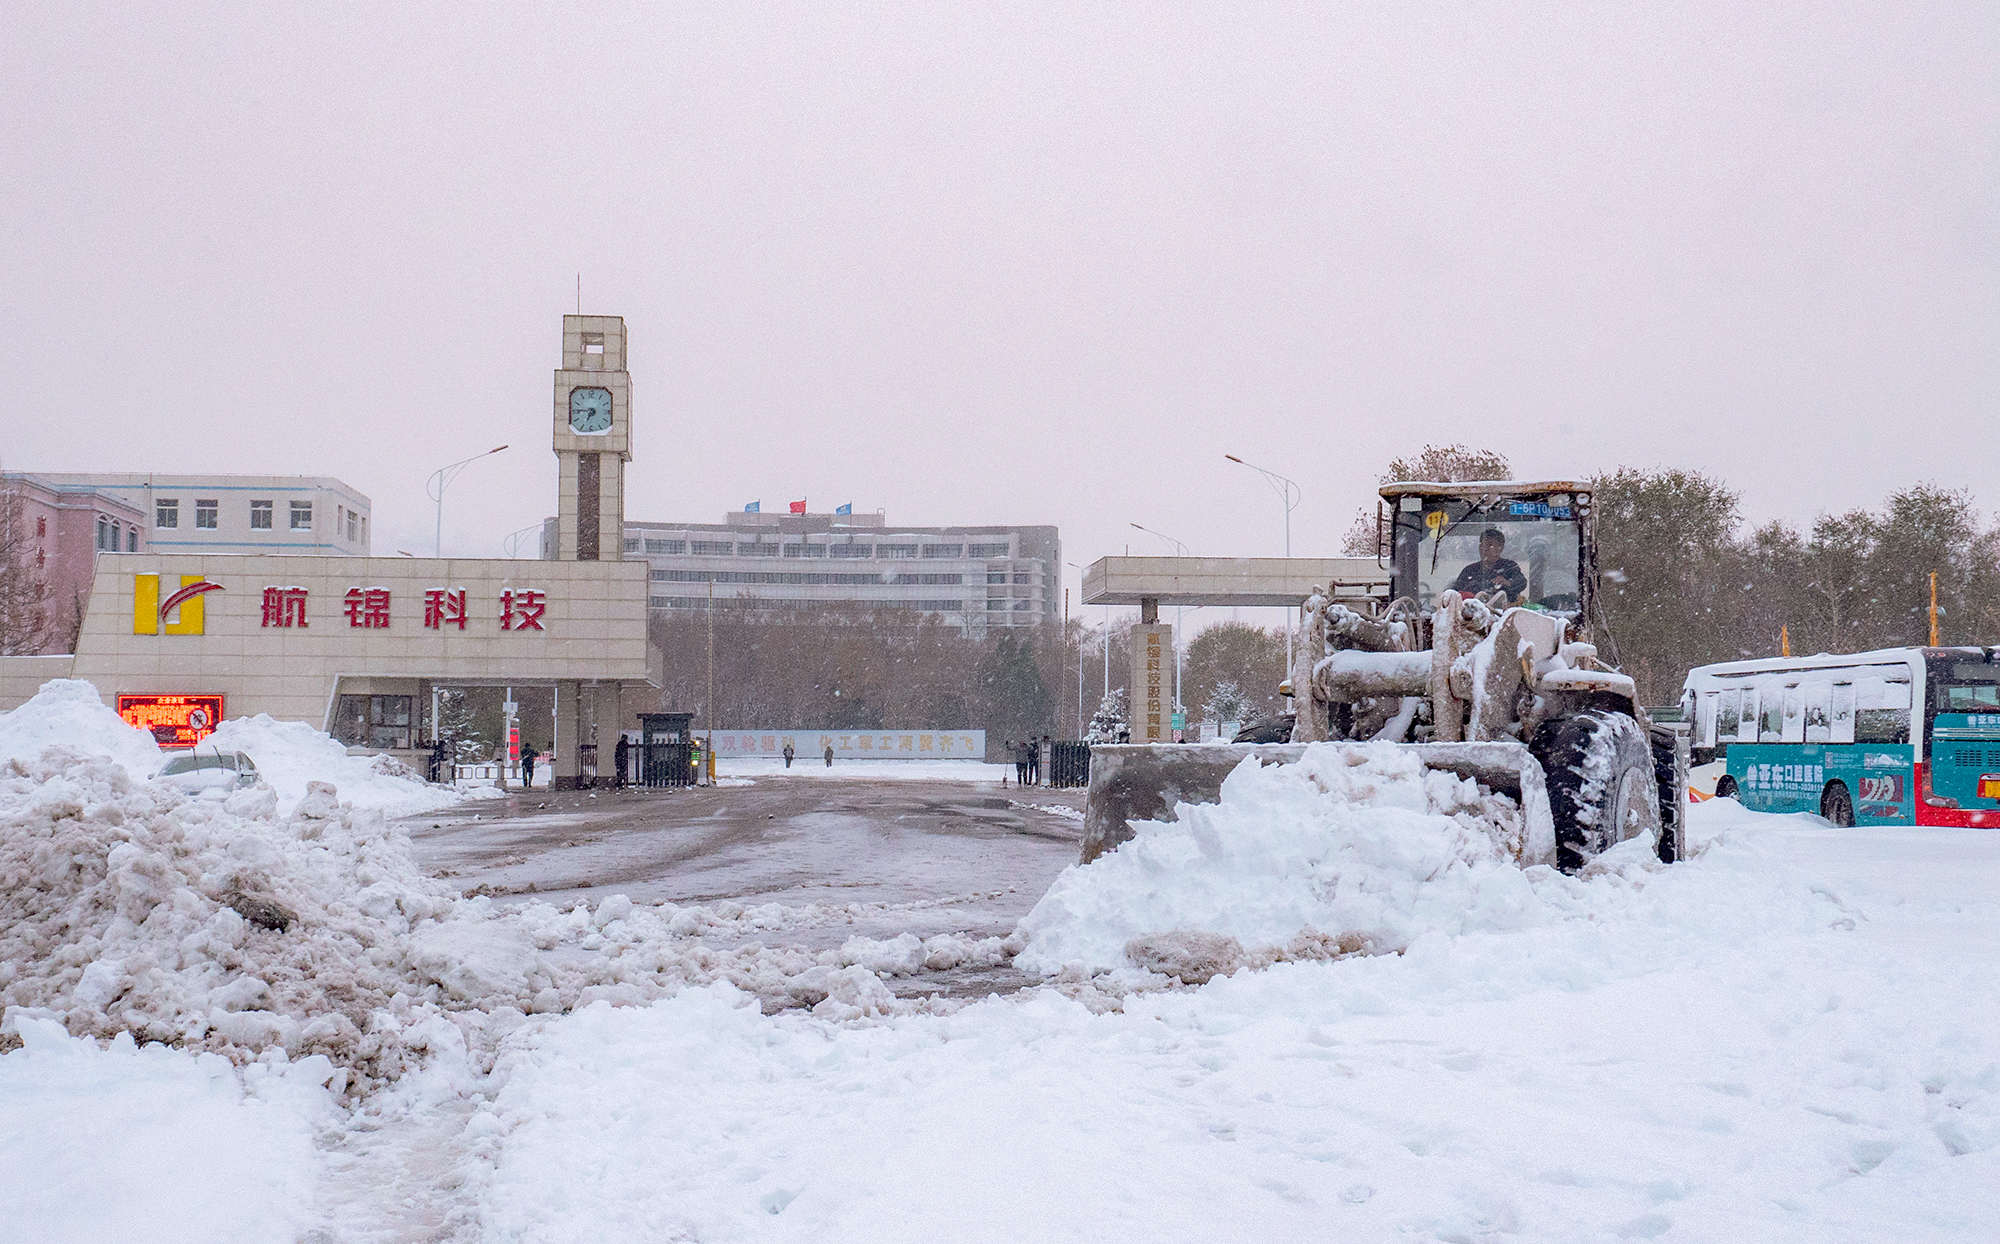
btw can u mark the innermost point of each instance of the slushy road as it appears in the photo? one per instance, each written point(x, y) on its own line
point(937, 856)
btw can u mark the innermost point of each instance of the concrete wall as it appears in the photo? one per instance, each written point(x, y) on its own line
point(21, 677)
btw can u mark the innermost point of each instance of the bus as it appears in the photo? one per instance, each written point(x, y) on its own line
point(1901, 736)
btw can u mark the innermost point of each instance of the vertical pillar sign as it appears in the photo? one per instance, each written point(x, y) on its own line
point(1152, 683)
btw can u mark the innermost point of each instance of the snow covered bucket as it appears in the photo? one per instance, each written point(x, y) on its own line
point(1147, 782)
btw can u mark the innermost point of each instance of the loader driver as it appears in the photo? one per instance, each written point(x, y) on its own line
point(1492, 572)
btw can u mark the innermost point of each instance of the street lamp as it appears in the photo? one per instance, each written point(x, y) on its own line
point(441, 480)
point(1288, 492)
point(512, 542)
point(1180, 637)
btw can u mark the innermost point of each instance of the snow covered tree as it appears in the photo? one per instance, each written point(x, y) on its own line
point(458, 722)
point(1226, 703)
point(1107, 724)
point(1249, 658)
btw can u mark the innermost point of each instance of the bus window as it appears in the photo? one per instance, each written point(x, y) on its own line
point(1728, 711)
point(1965, 699)
point(1704, 720)
point(1819, 711)
point(1792, 729)
point(1746, 717)
point(1841, 728)
point(1771, 726)
point(1881, 710)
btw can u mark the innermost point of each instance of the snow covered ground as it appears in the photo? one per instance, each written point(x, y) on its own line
point(1794, 1035)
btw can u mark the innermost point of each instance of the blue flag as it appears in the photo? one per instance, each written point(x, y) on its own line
point(752, 507)
point(844, 509)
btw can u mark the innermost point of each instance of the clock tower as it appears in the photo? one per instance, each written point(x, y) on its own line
point(593, 439)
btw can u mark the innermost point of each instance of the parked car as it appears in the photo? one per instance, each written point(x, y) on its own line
point(209, 770)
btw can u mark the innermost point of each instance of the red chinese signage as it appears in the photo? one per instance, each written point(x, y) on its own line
point(173, 720)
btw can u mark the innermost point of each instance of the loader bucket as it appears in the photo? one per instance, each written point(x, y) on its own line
point(1145, 782)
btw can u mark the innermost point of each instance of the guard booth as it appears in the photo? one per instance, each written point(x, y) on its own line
point(666, 749)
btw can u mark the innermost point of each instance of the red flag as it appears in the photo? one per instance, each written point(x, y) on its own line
point(798, 507)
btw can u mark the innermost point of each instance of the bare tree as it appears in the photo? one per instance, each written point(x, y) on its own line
point(26, 626)
point(1436, 463)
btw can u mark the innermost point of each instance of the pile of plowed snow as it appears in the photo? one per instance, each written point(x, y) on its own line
point(1355, 848)
point(214, 922)
point(291, 754)
point(68, 712)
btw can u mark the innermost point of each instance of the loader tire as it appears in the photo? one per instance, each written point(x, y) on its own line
point(1601, 781)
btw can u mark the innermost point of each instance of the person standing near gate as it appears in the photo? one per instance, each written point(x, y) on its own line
point(528, 754)
point(789, 753)
point(622, 754)
point(829, 755)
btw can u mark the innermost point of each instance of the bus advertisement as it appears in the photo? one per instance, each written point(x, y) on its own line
point(1901, 736)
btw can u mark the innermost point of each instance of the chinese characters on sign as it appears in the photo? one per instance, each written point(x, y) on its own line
point(368, 608)
point(173, 720)
point(284, 606)
point(521, 609)
point(1153, 683)
point(444, 608)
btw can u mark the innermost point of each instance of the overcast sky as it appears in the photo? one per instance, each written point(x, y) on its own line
point(1007, 264)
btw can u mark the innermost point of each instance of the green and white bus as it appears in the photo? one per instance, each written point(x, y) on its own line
point(1902, 736)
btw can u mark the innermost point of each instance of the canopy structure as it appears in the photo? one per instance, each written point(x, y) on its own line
point(1283, 582)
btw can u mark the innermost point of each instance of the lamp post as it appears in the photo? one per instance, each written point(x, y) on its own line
point(441, 480)
point(1288, 493)
point(512, 542)
point(1180, 639)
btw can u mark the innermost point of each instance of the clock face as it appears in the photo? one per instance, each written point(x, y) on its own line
point(590, 410)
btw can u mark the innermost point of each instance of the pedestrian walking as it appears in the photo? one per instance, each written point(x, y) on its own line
point(623, 755)
point(829, 755)
point(1021, 763)
point(528, 754)
point(789, 753)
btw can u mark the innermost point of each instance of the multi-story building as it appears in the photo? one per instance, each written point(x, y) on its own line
point(53, 533)
point(972, 577)
point(304, 514)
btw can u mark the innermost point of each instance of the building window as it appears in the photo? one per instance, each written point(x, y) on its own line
point(104, 535)
point(991, 603)
point(131, 539)
point(756, 550)
point(167, 512)
point(373, 721)
point(712, 548)
point(849, 550)
point(353, 527)
point(41, 528)
point(260, 516)
point(666, 546)
point(1022, 576)
point(1020, 606)
point(302, 516)
point(986, 550)
point(996, 576)
point(204, 513)
point(944, 550)
point(631, 545)
point(895, 550)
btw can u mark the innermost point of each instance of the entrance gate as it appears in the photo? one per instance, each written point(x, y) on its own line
point(666, 749)
point(1069, 764)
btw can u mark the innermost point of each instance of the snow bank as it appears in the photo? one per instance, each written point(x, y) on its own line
point(291, 754)
point(215, 923)
point(130, 1142)
point(1350, 849)
point(68, 712)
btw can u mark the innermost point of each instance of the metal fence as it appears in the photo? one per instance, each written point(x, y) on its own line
point(1069, 764)
point(665, 764)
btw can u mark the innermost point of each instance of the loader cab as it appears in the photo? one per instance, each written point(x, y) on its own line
point(1535, 539)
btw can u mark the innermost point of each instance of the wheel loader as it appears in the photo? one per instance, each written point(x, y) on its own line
point(1482, 658)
